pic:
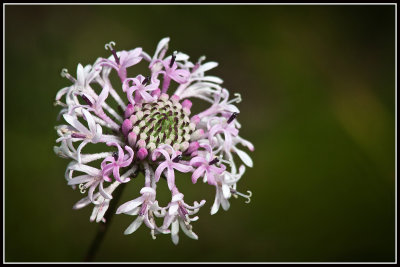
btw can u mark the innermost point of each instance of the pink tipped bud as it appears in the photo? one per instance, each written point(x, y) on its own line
point(133, 119)
point(156, 93)
point(164, 97)
point(141, 143)
point(175, 98)
point(195, 119)
point(197, 135)
point(132, 137)
point(142, 153)
point(187, 104)
point(193, 146)
point(126, 126)
point(129, 110)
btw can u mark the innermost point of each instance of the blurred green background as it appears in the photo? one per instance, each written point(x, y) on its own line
point(318, 88)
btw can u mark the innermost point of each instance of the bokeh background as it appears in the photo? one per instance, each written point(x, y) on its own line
point(318, 88)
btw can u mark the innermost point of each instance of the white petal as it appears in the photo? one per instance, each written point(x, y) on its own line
point(173, 208)
point(226, 191)
point(174, 232)
point(225, 204)
point(244, 157)
point(76, 124)
point(130, 205)
point(189, 233)
point(80, 179)
point(207, 66)
point(215, 206)
point(102, 211)
point(160, 46)
point(134, 226)
point(90, 121)
point(181, 56)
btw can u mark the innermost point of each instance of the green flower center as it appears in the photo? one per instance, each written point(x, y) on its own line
point(162, 122)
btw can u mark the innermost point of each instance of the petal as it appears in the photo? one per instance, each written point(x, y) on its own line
point(182, 167)
point(103, 192)
point(174, 232)
point(159, 170)
point(130, 205)
point(173, 209)
point(90, 121)
point(225, 204)
point(102, 210)
point(197, 173)
point(215, 206)
point(80, 75)
point(103, 95)
point(163, 43)
point(73, 121)
point(134, 226)
point(146, 96)
point(78, 151)
point(198, 159)
point(80, 179)
point(171, 178)
point(244, 157)
point(180, 76)
point(226, 191)
point(207, 66)
point(188, 232)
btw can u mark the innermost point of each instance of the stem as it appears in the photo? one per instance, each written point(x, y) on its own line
point(104, 226)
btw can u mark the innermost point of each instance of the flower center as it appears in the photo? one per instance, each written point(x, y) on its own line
point(161, 122)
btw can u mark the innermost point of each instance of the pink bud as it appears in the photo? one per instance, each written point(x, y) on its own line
point(142, 153)
point(141, 143)
point(175, 98)
point(156, 93)
point(126, 126)
point(129, 110)
point(193, 146)
point(195, 119)
point(187, 104)
point(132, 137)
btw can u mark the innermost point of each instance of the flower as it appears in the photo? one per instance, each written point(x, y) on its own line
point(205, 164)
point(170, 163)
point(178, 215)
point(122, 60)
point(152, 131)
point(116, 162)
point(139, 85)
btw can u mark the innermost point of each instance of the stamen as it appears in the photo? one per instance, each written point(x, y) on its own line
point(64, 73)
point(78, 135)
point(115, 155)
point(177, 159)
point(233, 191)
point(215, 160)
point(143, 209)
point(233, 116)
point(202, 58)
point(183, 210)
point(87, 100)
point(82, 188)
point(173, 59)
point(109, 46)
point(146, 80)
point(59, 103)
point(152, 234)
point(237, 99)
point(224, 161)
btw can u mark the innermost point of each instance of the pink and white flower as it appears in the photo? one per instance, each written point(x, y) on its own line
point(152, 131)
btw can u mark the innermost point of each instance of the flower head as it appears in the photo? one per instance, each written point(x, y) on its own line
point(152, 131)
